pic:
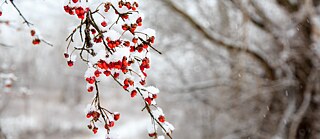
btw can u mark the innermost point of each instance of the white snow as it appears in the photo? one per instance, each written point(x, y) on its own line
point(119, 54)
point(152, 89)
point(113, 35)
point(90, 72)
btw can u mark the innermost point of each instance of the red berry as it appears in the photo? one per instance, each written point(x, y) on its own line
point(66, 55)
point(125, 87)
point(97, 73)
point(90, 89)
point(75, 1)
point(136, 4)
point(111, 124)
point(161, 119)
point(145, 46)
point(107, 73)
point(152, 134)
point(33, 32)
point(97, 39)
point(125, 16)
point(93, 31)
point(132, 49)
point(80, 12)
point(139, 21)
point(126, 43)
point(126, 81)
point(91, 80)
point(95, 130)
point(140, 49)
point(108, 39)
point(107, 7)
point(131, 82)
point(128, 5)
point(143, 82)
point(135, 40)
point(125, 27)
point(0, 13)
point(133, 28)
point(95, 114)
point(89, 115)
point(124, 70)
point(8, 85)
point(116, 75)
point(36, 41)
point(133, 93)
point(148, 100)
point(116, 116)
point(144, 74)
point(152, 39)
point(70, 63)
point(104, 23)
point(154, 96)
point(120, 3)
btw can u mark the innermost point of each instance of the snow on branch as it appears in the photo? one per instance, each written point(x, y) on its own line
point(115, 45)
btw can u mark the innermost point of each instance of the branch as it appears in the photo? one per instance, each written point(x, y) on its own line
point(297, 118)
point(5, 45)
point(204, 85)
point(287, 116)
point(25, 20)
point(265, 24)
point(220, 42)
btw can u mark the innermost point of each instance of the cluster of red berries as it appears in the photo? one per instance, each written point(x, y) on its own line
point(127, 82)
point(36, 39)
point(130, 6)
point(150, 98)
point(131, 27)
point(121, 66)
point(69, 62)
point(143, 46)
point(113, 44)
point(94, 115)
point(79, 11)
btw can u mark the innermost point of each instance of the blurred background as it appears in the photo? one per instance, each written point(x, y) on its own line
point(230, 69)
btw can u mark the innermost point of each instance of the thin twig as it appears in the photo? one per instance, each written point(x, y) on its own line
point(21, 15)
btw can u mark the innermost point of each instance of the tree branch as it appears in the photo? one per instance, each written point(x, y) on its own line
point(297, 118)
point(220, 42)
point(25, 20)
point(5, 45)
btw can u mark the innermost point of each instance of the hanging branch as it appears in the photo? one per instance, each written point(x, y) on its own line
point(101, 45)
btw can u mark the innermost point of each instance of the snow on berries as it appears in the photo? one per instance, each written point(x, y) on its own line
point(115, 45)
point(116, 116)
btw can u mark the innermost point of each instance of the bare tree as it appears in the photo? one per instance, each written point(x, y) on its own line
point(270, 57)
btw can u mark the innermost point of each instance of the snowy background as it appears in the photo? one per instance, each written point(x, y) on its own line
point(207, 91)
